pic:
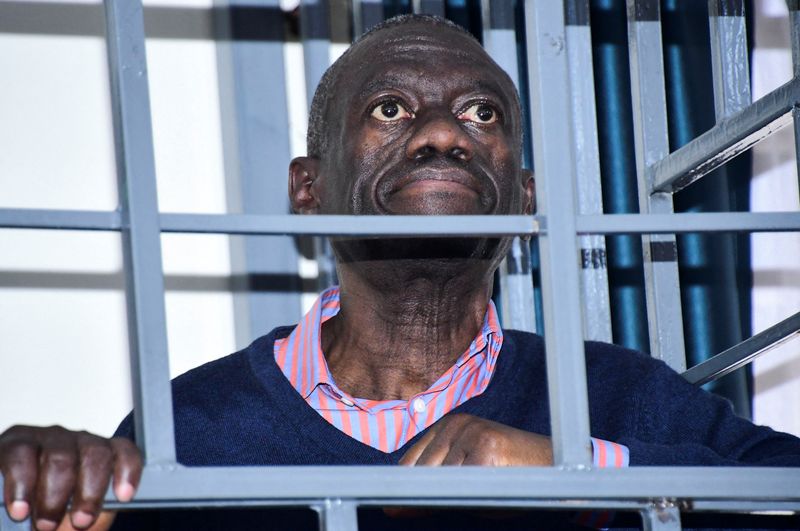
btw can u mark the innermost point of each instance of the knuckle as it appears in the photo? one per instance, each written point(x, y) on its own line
point(59, 461)
point(96, 454)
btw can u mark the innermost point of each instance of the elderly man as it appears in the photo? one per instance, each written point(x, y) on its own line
point(404, 362)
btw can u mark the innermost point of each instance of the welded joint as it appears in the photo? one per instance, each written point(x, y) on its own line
point(664, 514)
point(337, 514)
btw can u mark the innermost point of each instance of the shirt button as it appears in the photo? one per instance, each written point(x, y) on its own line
point(418, 405)
point(347, 402)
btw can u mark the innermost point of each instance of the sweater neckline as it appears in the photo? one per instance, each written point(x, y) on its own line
point(305, 420)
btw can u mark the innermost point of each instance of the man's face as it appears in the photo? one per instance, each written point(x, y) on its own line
point(427, 124)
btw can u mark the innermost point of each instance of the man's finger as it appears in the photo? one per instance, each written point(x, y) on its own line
point(413, 453)
point(19, 461)
point(58, 468)
point(127, 468)
point(435, 451)
point(94, 474)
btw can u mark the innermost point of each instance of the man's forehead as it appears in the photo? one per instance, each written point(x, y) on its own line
point(399, 56)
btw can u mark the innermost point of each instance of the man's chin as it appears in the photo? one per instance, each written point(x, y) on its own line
point(416, 249)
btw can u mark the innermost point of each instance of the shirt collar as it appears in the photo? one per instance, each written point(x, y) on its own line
point(306, 348)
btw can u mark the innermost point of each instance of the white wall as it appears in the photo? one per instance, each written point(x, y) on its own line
point(776, 257)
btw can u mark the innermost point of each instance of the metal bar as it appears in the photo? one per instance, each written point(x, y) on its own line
point(518, 310)
point(255, 120)
point(315, 33)
point(662, 285)
point(351, 225)
point(594, 273)
point(745, 352)
point(30, 218)
point(555, 191)
point(366, 13)
point(689, 222)
point(466, 485)
point(338, 515)
point(726, 140)
point(730, 58)
point(662, 516)
point(271, 225)
point(140, 230)
point(429, 7)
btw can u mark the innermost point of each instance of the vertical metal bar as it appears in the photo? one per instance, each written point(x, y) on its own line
point(338, 515)
point(597, 314)
point(255, 119)
point(652, 144)
point(141, 235)
point(662, 516)
point(429, 7)
point(6, 523)
point(730, 63)
point(555, 187)
point(315, 33)
point(500, 41)
point(366, 13)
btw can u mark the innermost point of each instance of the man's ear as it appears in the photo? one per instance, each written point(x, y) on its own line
point(530, 191)
point(303, 193)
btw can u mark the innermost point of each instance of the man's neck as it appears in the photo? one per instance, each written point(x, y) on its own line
point(394, 337)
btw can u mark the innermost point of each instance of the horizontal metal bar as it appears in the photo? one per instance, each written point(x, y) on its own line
point(33, 218)
point(351, 225)
point(689, 222)
point(724, 141)
point(409, 225)
point(745, 352)
point(455, 485)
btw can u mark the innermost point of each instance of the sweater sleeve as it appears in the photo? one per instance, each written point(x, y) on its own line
point(680, 424)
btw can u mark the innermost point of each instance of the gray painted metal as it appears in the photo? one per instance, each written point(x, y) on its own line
point(249, 224)
point(594, 274)
point(555, 191)
point(366, 13)
point(256, 152)
point(727, 139)
point(429, 7)
point(745, 352)
point(664, 317)
point(662, 516)
point(141, 236)
point(466, 485)
point(31, 218)
point(6, 523)
point(689, 222)
point(353, 225)
point(518, 310)
point(338, 515)
point(730, 59)
point(315, 32)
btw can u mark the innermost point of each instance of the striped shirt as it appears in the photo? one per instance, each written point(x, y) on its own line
point(388, 424)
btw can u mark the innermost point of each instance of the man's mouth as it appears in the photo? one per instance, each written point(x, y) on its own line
point(437, 179)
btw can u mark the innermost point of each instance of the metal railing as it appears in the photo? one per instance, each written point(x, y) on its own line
point(562, 228)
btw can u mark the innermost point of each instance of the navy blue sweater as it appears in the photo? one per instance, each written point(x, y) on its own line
point(241, 410)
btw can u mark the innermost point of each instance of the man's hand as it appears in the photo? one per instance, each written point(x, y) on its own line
point(43, 468)
point(467, 440)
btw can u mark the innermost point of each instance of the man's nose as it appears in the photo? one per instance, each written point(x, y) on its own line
point(439, 134)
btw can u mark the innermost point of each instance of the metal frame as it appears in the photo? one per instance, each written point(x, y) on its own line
point(517, 307)
point(664, 316)
point(335, 492)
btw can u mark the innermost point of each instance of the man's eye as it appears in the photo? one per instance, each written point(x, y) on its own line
point(479, 113)
point(390, 111)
